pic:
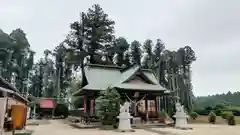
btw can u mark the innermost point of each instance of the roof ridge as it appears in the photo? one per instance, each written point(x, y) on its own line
point(126, 74)
point(104, 66)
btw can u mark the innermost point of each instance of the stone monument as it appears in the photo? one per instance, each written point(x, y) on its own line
point(124, 118)
point(181, 117)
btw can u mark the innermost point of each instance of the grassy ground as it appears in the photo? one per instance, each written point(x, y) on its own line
point(219, 120)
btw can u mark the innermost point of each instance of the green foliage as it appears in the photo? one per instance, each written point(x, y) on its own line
point(225, 99)
point(219, 107)
point(226, 114)
point(218, 112)
point(163, 113)
point(202, 111)
point(231, 120)
point(61, 110)
point(212, 117)
point(16, 57)
point(147, 59)
point(121, 45)
point(107, 106)
point(193, 115)
point(135, 52)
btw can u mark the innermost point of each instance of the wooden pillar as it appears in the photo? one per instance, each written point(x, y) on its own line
point(165, 103)
point(158, 103)
point(92, 106)
point(134, 108)
point(85, 104)
point(146, 107)
point(156, 106)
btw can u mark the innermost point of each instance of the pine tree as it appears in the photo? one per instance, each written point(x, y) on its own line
point(135, 52)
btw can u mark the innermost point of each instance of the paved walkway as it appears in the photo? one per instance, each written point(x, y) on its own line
point(58, 128)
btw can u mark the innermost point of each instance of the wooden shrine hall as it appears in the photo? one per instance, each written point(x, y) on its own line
point(140, 86)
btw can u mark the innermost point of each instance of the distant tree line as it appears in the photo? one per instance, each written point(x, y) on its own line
point(228, 99)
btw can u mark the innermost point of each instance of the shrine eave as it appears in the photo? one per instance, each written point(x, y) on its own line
point(125, 87)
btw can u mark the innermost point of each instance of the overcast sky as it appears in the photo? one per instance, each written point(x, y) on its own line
point(210, 27)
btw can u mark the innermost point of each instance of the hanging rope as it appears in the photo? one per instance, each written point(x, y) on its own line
point(136, 101)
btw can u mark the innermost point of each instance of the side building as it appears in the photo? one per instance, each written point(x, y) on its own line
point(12, 94)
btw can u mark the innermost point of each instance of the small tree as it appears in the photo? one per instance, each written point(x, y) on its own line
point(107, 106)
point(212, 117)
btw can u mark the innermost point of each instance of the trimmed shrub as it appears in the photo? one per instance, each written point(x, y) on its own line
point(231, 120)
point(212, 117)
point(61, 110)
point(163, 113)
point(162, 116)
point(226, 114)
point(193, 115)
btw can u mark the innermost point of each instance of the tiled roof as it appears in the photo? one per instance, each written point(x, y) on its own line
point(7, 87)
point(101, 77)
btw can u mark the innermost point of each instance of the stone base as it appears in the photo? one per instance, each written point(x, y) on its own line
point(184, 128)
point(128, 130)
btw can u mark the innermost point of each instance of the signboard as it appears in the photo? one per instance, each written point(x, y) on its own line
point(47, 103)
point(3, 104)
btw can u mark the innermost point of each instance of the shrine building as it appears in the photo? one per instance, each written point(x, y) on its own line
point(137, 84)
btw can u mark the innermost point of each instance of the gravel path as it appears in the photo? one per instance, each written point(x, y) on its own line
point(57, 127)
point(203, 129)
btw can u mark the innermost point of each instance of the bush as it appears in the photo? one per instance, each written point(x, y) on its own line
point(163, 113)
point(218, 112)
point(231, 120)
point(202, 112)
point(107, 106)
point(61, 110)
point(219, 107)
point(193, 115)
point(212, 117)
point(226, 114)
point(162, 116)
